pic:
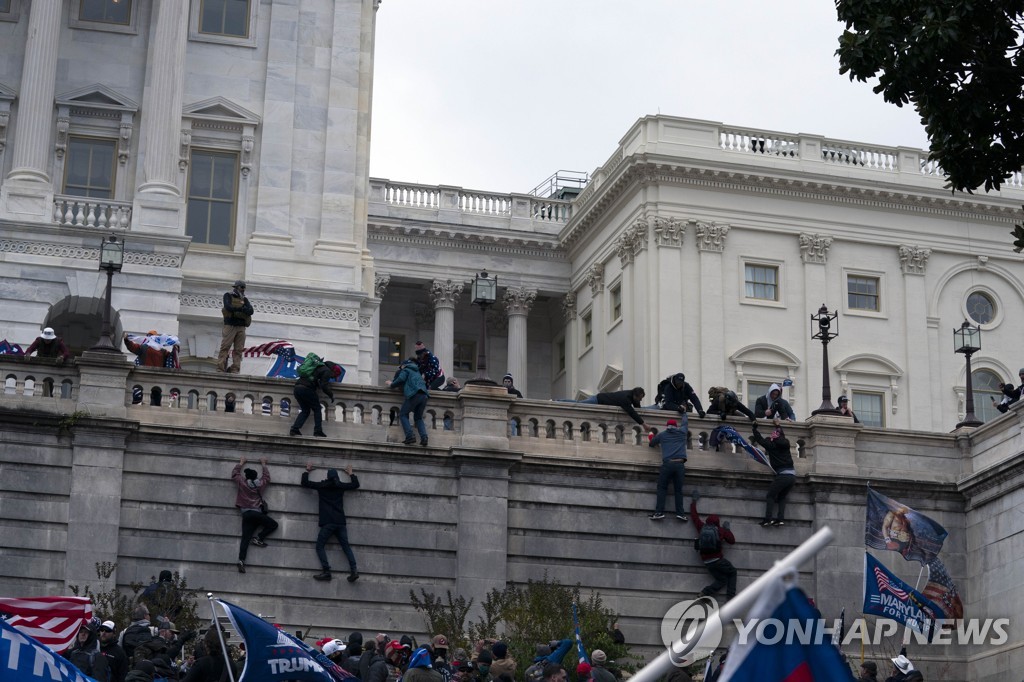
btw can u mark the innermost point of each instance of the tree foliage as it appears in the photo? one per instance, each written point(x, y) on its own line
point(960, 63)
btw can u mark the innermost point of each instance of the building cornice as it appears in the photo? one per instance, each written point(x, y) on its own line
point(432, 236)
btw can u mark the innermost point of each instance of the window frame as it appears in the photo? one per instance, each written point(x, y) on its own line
point(113, 167)
point(778, 266)
point(13, 13)
point(614, 296)
point(232, 237)
point(586, 330)
point(752, 400)
point(392, 336)
point(472, 356)
point(882, 312)
point(195, 35)
point(983, 407)
point(130, 28)
point(998, 308)
point(858, 394)
point(560, 356)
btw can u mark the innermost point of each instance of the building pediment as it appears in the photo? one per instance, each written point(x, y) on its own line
point(97, 96)
point(765, 354)
point(221, 109)
point(868, 363)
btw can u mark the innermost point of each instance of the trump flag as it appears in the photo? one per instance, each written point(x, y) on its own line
point(887, 596)
point(24, 659)
point(895, 526)
point(785, 658)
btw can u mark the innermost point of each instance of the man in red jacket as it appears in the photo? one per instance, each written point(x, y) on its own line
point(710, 549)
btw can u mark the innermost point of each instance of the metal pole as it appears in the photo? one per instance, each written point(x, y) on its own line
point(481, 352)
point(735, 607)
point(970, 419)
point(106, 343)
point(826, 384)
point(220, 636)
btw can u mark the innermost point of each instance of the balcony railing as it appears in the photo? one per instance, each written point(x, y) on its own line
point(84, 212)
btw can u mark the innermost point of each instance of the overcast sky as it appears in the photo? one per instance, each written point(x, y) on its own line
point(497, 95)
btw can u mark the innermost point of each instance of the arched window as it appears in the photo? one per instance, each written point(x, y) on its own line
point(986, 386)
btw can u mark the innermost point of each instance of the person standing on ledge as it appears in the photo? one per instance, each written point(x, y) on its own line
point(237, 316)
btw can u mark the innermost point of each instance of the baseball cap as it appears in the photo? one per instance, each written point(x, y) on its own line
point(671, 422)
point(332, 647)
point(843, 399)
point(439, 642)
point(108, 625)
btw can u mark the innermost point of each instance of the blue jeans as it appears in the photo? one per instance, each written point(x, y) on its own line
point(675, 471)
point(340, 531)
point(416, 404)
point(308, 401)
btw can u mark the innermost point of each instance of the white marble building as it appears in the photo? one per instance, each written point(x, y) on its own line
point(228, 144)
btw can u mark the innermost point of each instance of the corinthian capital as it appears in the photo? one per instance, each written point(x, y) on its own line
point(445, 294)
point(913, 259)
point(380, 285)
point(711, 236)
point(814, 247)
point(519, 300)
point(668, 231)
point(595, 278)
point(569, 306)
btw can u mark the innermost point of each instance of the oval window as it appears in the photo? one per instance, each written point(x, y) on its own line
point(981, 308)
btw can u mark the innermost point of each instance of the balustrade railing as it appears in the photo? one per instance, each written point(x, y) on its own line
point(757, 142)
point(470, 202)
point(85, 212)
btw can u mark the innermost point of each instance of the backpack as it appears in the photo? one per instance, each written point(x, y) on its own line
point(310, 365)
point(85, 661)
point(135, 636)
point(535, 673)
point(709, 541)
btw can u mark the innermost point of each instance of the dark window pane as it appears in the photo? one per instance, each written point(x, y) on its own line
point(223, 177)
point(980, 308)
point(220, 223)
point(236, 18)
point(197, 219)
point(211, 206)
point(89, 168)
point(106, 11)
point(212, 17)
point(202, 175)
point(5, 5)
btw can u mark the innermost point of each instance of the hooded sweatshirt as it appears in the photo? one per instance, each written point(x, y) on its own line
point(765, 402)
point(409, 379)
point(332, 496)
point(249, 496)
point(724, 533)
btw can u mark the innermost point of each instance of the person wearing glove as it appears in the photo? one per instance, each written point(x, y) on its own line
point(305, 392)
point(674, 393)
point(673, 465)
point(708, 543)
point(777, 448)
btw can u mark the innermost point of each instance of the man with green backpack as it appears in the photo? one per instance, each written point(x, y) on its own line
point(314, 374)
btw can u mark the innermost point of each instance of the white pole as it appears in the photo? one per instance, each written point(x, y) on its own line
point(734, 608)
point(220, 636)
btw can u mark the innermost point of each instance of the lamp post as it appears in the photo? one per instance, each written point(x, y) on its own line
point(111, 259)
point(967, 340)
point(485, 293)
point(821, 328)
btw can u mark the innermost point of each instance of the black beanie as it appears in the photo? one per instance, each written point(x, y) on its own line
point(250, 474)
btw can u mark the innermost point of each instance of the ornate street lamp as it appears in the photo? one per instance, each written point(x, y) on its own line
point(485, 293)
point(821, 328)
point(967, 340)
point(111, 260)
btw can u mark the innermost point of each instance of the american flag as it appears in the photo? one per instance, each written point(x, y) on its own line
point(942, 590)
point(54, 621)
point(885, 584)
point(267, 349)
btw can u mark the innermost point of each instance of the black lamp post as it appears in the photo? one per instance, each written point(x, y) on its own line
point(967, 340)
point(485, 293)
point(111, 259)
point(821, 328)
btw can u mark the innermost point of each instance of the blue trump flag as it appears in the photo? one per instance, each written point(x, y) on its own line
point(25, 659)
point(272, 655)
point(728, 433)
point(792, 645)
point(895, 526)
point(887, 596)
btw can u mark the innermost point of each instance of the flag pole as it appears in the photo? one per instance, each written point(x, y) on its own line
point(735, 607)
point(220, 636)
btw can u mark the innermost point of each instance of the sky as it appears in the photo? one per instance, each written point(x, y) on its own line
point(498, 95)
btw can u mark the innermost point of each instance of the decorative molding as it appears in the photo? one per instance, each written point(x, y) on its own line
point(420, 236)
point(710, 236)
point(380, 285)
point(287, 308)
point(814, 247)
point(569, 306)
point(669, 232)
point(63, 123)
point(248, 141)
point(445, 293)
point(632, 241)
point(186, 146)
point(364, 320)
point(519, 300)
point(595, 278)
point(160, 260)
point(5, 118)
point(913, 259)
point(124, 141)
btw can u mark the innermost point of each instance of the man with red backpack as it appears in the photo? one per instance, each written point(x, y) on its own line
point(709, 544)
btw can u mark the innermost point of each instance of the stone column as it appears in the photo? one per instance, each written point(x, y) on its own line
point(814, 254)
point(913, 260)
point(445, 294)
point(629, 246)
point(158, 200)
point(28, 191)
point(518, 302)
point(595, 278)
point(710, 238)
point(670, 310)
point(571, 351)
point(380, 287)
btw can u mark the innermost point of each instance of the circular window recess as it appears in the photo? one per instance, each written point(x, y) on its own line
point(982, 308)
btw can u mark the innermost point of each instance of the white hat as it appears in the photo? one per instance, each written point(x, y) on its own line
point(109, 625)
point(48, 334)
point(903, 664)
point(332, 647)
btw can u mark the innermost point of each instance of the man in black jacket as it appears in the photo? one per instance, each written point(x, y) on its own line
point(117, 661)
point(332, 517)
point(305, 393)
point(237, 312)
point(674, 393)
point(628, 400)
point(777, 448)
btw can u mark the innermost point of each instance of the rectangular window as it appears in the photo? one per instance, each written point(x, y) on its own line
point(762, 282)
point(89, 169)
point(211, 197)
point(224, 17)
point(105, 11)
point(560, 354)
point(587, 322)
point(391, 349)
point(756, 389)
point(616, 303)
point(862, 294)
point(5, 6)
point(869, 408)
point(463, 356)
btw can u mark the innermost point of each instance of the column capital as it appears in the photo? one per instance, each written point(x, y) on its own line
point(814, 247)
point(711, 236)
point(519, 300)
point(669, 231)
point(913, 259)
point(595, 278)
point(445, 293)
point(380, 285)
point(632, 240)
point(569, 306)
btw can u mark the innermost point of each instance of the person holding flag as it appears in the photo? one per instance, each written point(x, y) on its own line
point(777, 448)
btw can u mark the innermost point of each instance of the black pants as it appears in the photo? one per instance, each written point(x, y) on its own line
point(724, 574)
point(776, 496)
point(251, 520)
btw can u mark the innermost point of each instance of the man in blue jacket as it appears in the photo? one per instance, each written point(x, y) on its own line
point(409, 379)
point(673, 466)
point(332, 517)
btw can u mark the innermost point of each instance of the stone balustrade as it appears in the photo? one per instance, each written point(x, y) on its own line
point(72, 211)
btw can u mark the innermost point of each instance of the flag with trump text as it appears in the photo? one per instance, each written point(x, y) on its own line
point(800, 658)
point(25, 659)
point(887, 596)
point(52, 621)
point(897, 527)
point(272, 655)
